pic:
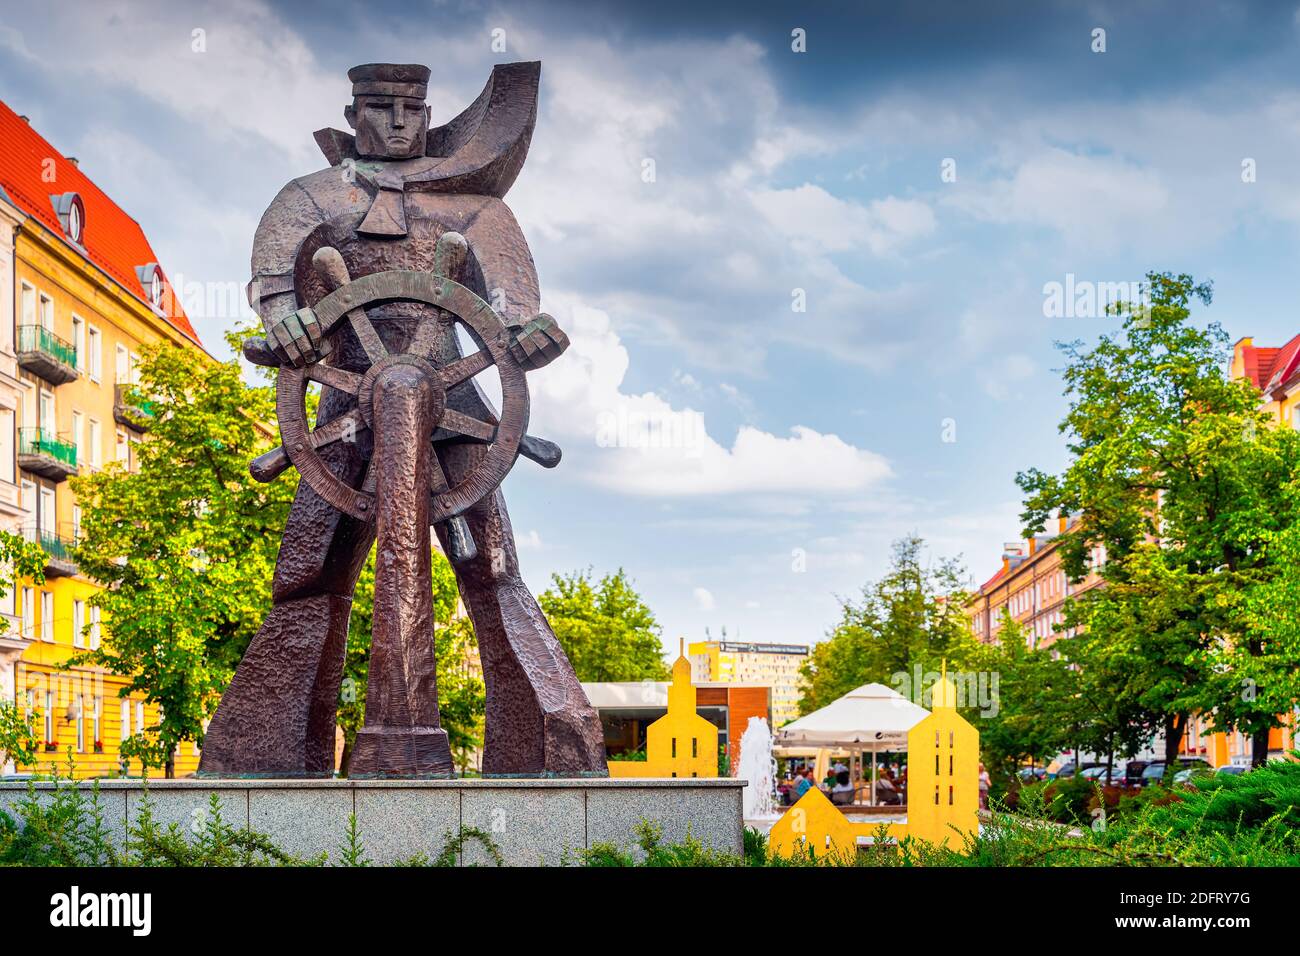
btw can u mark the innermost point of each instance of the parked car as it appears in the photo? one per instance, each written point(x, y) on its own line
point(1028, 774)
point(1154, 772)
point(1114, 779)
point(1232, 770)
point(1067, 770)
point(1133, 773)
point(1191, 773)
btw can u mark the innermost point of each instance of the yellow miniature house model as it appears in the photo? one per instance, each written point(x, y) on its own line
point(681, 743)
point(942, 791)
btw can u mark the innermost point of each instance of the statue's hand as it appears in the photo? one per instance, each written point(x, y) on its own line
point(538, 342)
point(297, 339)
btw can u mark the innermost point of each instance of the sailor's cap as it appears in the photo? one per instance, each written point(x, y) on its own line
point(389, 79)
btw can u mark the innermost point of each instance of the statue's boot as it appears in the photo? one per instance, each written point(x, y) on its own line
point(538, 720)
point(276, 718)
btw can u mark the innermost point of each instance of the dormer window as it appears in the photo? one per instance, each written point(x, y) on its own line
point(151, 281)
point(72, 215)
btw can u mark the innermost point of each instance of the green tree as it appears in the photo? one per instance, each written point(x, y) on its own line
point(914, 615)
point(185, 546)
point(1178, 475)
point(461, 700)
point(1036, 692)
point(605, 628)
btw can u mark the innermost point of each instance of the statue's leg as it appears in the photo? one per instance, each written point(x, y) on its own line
point(538, 718)
point(277, 716)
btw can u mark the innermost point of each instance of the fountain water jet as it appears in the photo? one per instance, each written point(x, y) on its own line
point(758, 768)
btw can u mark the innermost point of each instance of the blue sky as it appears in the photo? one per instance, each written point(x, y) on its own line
point(804, 442)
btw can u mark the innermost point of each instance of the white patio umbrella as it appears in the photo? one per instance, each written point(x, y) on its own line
point(872, 717)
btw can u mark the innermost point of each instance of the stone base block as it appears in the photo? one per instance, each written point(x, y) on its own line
point(531, 822)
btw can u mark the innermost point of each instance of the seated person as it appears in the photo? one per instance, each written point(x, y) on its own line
point(803, 784)
point(887, 792)
point(842, 792)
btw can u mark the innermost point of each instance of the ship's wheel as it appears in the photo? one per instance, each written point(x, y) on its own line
point(347, 303)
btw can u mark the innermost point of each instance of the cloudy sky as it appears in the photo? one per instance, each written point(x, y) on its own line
point(828, 297)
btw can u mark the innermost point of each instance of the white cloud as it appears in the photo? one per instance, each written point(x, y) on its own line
point(641, 444)
point(1088, 199)
point(703, 599)
point(824, 223)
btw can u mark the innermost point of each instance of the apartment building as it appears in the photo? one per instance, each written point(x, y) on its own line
point(86, 292)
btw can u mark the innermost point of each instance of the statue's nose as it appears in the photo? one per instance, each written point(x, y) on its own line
point(397, 116)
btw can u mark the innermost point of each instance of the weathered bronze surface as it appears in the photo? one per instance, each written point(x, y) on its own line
point(361, 274)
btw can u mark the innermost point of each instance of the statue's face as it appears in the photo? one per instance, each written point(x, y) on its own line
point(388, 127)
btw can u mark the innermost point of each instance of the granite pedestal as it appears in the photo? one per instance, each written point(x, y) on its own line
point(532, 821)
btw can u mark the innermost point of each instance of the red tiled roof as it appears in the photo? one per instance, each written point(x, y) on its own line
point(1258, 364)
point(994, 580)
point(1284, 364)
point(112, 240)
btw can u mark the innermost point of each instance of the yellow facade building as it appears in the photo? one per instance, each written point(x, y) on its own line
point(774, 665)
point(89, 293)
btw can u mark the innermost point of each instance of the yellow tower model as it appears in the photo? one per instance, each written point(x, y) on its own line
point(942, 770)
point(681, 743)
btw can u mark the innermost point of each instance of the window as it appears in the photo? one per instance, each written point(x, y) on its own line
point(76, 524)
point(78, 623)
point(29, 305)
point(123, 448)
point(79, 341)
point(47, 616)
point(78, 436)
point(47, 313)
point(95, 443)
point(94, 353)
point(81, 724)
point(49, 716)
point(122, 367)
point(7, 446)
point(98, 716)
point(29, 612)
point(134, 369)
point(124, 720)
point(94, 627)
point(46, 412)
point(139, 716)
point(45, 519)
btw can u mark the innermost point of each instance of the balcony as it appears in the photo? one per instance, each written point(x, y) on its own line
point(133, 415)
point(42, 452)
point(43, 353)
point(58, 550)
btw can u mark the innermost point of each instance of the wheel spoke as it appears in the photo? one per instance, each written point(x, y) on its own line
point(366, 335)
point(343, 427)
point(463, 424)
point(464, 368)
point(437, 477)
point(424, 342)
point(344, 381)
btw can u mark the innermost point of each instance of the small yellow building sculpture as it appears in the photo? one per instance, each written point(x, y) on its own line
point(681, 743)
point(942, 791)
